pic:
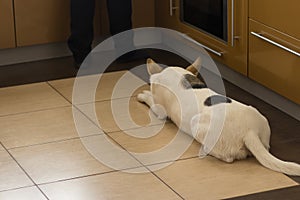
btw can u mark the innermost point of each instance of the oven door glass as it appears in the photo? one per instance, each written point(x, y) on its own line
point(207, 15)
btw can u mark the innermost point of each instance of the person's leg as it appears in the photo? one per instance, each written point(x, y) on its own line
point(119, 13)
point(82, 17)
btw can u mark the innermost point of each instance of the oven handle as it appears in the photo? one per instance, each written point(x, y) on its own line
point(233, 36)
point(172, 7)
point(202, 45)
point(259, 35)
point(232, 23)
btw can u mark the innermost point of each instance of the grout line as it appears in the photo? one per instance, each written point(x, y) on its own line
point(17, 188)
point(33, 111)
point(105, 100)
point(51, 86)
point(166, 184)
point(89, 175)
point(76, 177)
point(171, 161)
point(55, 141)
point(24, 171)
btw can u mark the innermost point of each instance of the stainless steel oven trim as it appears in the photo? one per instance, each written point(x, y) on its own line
point(202, 45)
point(232, 22)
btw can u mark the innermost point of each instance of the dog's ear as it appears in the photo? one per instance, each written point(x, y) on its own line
point(153, 67)
point(195, 67)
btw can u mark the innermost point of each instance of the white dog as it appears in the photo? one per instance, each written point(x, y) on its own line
point(178, 94)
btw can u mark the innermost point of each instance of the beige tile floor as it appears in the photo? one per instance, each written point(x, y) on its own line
point(51, 148)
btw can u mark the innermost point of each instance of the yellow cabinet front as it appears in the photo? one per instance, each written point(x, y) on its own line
point(7, 31)
point(281, 15)
point(276, 67)
point(41, 21)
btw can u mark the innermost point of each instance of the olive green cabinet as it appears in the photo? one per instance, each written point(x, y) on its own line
point(274, 46)
point(40, 22)
point(281, 15)
point(35, 22)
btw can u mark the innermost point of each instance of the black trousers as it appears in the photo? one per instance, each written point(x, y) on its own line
point(82, 21)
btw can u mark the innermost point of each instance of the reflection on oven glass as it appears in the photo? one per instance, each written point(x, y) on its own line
point(207, 15)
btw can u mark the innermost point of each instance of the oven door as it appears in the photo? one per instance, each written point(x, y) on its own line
point(210, 16)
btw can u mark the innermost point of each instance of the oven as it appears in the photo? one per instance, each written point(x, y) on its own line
point(209, 16)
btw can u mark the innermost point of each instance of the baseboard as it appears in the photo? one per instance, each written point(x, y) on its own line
point(33, 53)
point(37, 52)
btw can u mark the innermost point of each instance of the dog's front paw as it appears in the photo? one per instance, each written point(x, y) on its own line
point(144, 96)
point(141, 97)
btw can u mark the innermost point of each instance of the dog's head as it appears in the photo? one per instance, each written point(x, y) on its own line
point(187, 78)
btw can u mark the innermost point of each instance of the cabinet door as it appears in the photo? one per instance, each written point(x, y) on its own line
point(41, 21)
point(273, 66)
point(143, 13)
point(281, 15)
point(7, 32)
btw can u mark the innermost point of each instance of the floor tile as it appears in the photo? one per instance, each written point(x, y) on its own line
point(120, 114)
point(110, 153)
point(57, 161)
point(112, 85)
point(156, 144)
point(28, 193)
point(116, 185)
point(44, 126)
point(210, 178)
point(11, 175)
point(31, 97)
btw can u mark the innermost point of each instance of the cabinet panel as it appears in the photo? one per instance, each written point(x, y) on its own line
point(272, 66)
point(281, 15)
point(142, 13)
point(7, 33)
point(39, 22)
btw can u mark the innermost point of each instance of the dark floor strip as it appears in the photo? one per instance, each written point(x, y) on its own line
point(59, 68)
point(38, 71)
point(291, 193)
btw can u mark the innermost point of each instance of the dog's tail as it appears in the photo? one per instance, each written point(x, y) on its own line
point(254, 144)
